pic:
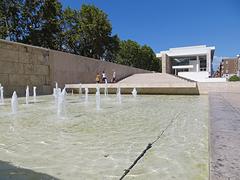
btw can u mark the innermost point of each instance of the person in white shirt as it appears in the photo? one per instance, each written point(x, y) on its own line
point(104, 78)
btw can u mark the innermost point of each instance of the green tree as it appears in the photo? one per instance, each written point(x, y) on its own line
point(88, 33)
point(156, 65)
point(112, 49)
point(51, 24)
point(31, 20)
point(3, 20)
point(148, 59)
point(42, 20)
point(133, 54)
point(129, 53)
point(234, 78)
point(36, 22)
point(10, 19)
point(95, 33)
point(71, 31)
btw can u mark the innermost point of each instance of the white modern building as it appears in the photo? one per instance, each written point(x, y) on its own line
point(192, 62)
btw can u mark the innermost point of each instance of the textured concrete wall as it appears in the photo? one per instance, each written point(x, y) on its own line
point(22, 65)
point(83, 70)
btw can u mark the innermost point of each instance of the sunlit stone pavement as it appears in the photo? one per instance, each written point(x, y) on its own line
point(225, 136)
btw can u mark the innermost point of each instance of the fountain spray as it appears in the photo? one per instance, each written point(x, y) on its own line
point(14, 102)
point(34, 93)
point(27, 94)
point(98, 98)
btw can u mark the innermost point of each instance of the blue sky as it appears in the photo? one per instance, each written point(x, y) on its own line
point(163, 24)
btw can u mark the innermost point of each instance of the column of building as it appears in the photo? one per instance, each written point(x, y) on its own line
point(208, 63)
point(198, 64)
point(166, 64)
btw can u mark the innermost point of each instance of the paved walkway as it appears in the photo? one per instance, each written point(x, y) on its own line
point(224, 136)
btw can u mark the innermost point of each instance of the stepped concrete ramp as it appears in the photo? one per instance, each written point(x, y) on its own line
point(148, 83)
point(157, 80)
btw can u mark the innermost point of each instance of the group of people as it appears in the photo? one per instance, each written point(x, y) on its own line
point(104, 79)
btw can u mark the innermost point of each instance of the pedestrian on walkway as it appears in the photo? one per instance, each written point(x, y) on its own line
point(114, 77)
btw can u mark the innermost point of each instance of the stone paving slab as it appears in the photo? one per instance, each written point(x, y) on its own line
point(224, 136)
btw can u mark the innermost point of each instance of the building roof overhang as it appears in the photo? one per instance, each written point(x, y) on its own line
point(188, 51)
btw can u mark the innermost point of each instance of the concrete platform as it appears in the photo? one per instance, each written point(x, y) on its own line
point(162, 83)
point(149, 83)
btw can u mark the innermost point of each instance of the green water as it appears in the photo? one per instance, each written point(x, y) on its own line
point(90, 144)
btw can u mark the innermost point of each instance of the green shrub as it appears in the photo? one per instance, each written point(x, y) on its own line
point(234, 78)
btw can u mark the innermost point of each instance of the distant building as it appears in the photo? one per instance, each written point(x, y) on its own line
point(229, 67)
point(192, 62)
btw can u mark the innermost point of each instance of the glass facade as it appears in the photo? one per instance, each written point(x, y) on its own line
point(203, 63)
point(200, 65)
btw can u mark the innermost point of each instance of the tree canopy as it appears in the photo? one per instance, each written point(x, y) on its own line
point(133, 54)
point(86, 32)
point(42, 23)
point(10, 19)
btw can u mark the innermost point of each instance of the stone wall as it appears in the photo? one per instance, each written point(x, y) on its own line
point(83, 70)
point(22, 65)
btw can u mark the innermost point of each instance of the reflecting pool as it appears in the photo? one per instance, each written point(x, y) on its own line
point(90, 143)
